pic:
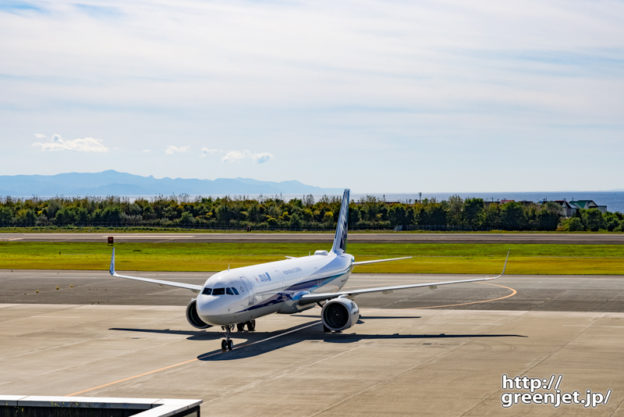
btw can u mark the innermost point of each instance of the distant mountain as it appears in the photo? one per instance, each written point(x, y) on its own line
point(113, 183)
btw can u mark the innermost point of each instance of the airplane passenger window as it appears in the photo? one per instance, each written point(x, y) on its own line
point(207, 291)
point(228, 291)
point(218, 291)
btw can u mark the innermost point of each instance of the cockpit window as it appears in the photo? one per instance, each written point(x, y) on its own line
point(220, 291)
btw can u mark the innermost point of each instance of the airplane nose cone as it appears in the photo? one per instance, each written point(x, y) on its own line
point(214, 310)
point(207, 306)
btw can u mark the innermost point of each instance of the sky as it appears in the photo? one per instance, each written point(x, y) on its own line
point(379, 96)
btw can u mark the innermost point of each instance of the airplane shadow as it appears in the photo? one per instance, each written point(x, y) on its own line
point(363, 317)
point(256, 343)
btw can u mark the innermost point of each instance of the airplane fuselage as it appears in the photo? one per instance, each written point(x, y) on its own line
point(243, 294)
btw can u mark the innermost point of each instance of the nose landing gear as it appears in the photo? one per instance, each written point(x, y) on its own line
point(226, 344)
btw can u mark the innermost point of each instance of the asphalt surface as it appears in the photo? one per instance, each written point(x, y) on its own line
point(393, 362)
point(423, 352)
point(532, 293)
point(562, 238)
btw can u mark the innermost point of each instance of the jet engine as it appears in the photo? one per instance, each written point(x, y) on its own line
point(193, 317)
point(339, 314)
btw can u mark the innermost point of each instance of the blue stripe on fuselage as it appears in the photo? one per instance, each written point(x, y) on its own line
point(307, 285)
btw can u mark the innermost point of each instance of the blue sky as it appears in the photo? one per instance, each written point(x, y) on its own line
point(379, 96)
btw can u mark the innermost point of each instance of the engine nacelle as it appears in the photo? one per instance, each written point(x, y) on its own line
point(339, 314)
point(193, 317)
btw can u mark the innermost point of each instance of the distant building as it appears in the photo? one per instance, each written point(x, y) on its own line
point(566, 209)
point(569, 208)
point(587, 204)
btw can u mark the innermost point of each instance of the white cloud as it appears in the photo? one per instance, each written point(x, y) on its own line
point(237, 155)
point(209, 151)
point(233, 156)
point(171, 149)
point(57, 143)
point(260, 157)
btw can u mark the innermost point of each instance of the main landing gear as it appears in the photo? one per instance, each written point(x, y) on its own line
point(251, 326)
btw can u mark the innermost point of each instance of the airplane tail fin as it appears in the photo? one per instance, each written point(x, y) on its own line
point(340, 240)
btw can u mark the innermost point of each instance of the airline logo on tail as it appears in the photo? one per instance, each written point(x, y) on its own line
point(340, 240)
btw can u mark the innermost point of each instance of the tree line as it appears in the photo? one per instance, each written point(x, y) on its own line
point(299, 214)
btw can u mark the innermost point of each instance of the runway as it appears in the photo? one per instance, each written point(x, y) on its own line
point(315, 237)
point(424, 352)
point(534, 292)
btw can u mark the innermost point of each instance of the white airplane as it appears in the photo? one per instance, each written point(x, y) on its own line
point(240, 295)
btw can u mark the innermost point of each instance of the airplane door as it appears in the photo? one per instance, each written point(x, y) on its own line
point(249, 288)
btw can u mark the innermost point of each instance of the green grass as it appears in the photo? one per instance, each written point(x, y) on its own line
point(161, 229)
point(428, 258)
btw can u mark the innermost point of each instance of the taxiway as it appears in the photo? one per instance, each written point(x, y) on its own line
point(424, 352)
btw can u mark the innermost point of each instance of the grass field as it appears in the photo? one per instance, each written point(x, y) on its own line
point(330, 230)
point(427, 258)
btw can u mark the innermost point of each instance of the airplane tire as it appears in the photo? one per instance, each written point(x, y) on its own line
point(223, 345)
point(240, 327)
point(251, 325)
point(229, 345)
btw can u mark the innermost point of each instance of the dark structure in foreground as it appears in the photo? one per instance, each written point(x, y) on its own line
point(38, 406)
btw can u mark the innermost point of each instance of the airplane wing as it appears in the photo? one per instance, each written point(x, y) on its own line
point(316, 297)
point(191, 287)
point(380, 260)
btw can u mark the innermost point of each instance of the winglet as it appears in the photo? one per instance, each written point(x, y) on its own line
point(506, 259)
point(111, 270)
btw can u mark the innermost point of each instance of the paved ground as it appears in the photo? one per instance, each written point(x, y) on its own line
point(570, 238)
point(544, 293)
point(444, 360)
point(396, 362)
